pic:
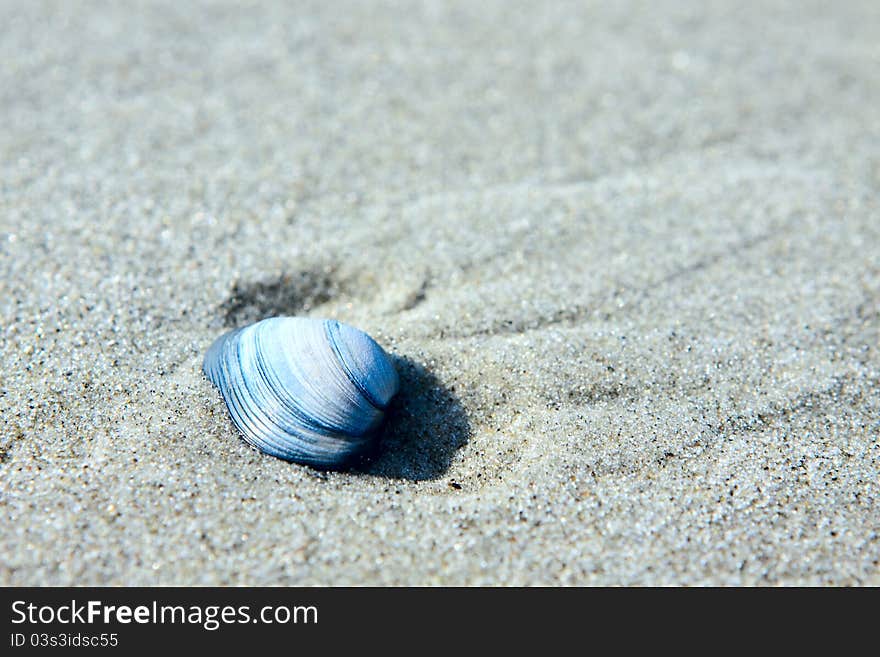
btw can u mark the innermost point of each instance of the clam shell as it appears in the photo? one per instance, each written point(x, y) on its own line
point(305, 390)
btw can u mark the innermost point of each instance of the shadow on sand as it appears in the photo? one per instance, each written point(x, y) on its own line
point(426, 426)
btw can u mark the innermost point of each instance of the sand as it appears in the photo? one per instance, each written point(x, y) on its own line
point(626, 257)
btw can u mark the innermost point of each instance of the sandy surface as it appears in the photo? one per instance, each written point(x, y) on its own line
point(627, 257)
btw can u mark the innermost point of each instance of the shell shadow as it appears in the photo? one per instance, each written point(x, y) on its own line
point(426, 426)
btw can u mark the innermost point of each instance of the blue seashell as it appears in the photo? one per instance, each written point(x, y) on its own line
point(305, 390)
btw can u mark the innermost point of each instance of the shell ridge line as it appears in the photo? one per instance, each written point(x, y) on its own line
point(359, 411)
point(327, 384)
point(321, 438)
point(278, 390)
point(259, 420)
point(254, 419)
point(317, 439)
point(219, 356)
point(331, 328)
point(286, 442)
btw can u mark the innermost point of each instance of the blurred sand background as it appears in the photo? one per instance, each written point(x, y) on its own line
point(627, 257)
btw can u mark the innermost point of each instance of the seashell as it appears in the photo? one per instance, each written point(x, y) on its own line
point(305, 390)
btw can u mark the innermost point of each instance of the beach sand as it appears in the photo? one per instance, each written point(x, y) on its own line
point(626, 257)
